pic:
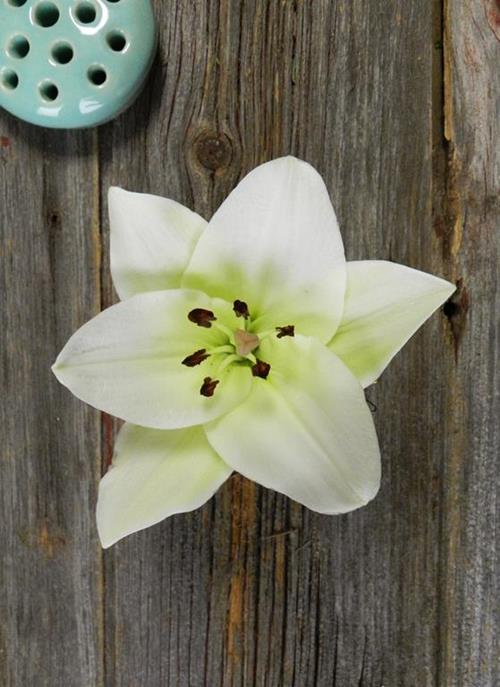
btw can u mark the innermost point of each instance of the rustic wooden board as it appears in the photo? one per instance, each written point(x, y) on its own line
point(397, 105)
point(51, 571)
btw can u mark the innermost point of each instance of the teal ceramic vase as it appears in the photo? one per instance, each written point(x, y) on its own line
point(73, 63)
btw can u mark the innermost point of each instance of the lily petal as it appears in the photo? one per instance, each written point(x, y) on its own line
point(152, 240)
point(275, 244)
point(155, 473)
point(385, 305)
point(305, 431)
point(127, 361)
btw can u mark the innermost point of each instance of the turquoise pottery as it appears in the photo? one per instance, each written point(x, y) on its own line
point(73, 63)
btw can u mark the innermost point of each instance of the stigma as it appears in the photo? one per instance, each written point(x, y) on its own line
point(246, 342)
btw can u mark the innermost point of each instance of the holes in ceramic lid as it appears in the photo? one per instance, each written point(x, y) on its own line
point(116, 41)
point(97, 75)
point(62, 53)
point(46, 14)
point(18, 47)
point(86, 12)
point(9, 79)
point(49, 91)
point(16, 3)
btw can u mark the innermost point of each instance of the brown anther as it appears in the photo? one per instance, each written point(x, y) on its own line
point(288, 330)
point(261, 369)
point(195, 358)
point(208, 387)
point(241, 309)
point(202, 317)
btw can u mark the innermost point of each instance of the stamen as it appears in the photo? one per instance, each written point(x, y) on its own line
point(228, 360)
point(195, 358)
point(288, 330)
point(222, 328)
point(261, 369)
point(221, 349)
point(245, 342)
point(208, 387)
point(241, 309)
point(202, 317)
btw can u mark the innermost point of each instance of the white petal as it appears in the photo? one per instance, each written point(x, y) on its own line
point(156, 473)
point(152, 240)
point(385, 305)
point(127, 361)
point(306, 431)
point(275, 244)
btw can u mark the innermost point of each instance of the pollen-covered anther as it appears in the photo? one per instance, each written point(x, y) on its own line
point(261, 369)
point(202, 317)
point(288, 330)
point(208, 387)
point(241, 309)
point(245, 342)
point(195, 358)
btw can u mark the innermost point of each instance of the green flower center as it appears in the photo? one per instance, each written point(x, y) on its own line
point(239, 347)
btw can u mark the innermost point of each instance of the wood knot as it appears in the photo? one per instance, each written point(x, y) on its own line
point(54, 218)
point(455, 310)
point(213, 151)
point(492, 8)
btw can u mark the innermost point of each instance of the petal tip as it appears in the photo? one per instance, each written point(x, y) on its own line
point(451, 288)
point(56, 369)
point(107, 541)
point(292, 161)
point(108, 536)
point(115, 190)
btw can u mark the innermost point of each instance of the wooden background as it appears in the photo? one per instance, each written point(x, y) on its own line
point(397, 105)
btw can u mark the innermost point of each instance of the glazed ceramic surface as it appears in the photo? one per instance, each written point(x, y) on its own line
point(73, 63)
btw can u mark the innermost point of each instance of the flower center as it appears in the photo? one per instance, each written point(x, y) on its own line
point(237, 349)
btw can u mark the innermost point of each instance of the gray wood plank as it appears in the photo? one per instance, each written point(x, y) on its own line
point(469, 641)
point(50, 573)
point(253, 589)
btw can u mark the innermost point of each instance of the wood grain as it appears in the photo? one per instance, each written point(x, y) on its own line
point(51, 571)
point(397, 105)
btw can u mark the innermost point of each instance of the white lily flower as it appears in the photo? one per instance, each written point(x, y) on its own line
point(241, 344)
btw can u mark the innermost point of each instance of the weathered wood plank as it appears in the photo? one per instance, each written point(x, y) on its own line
point(50, 574)
point(469, 642)
point(253, 589)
